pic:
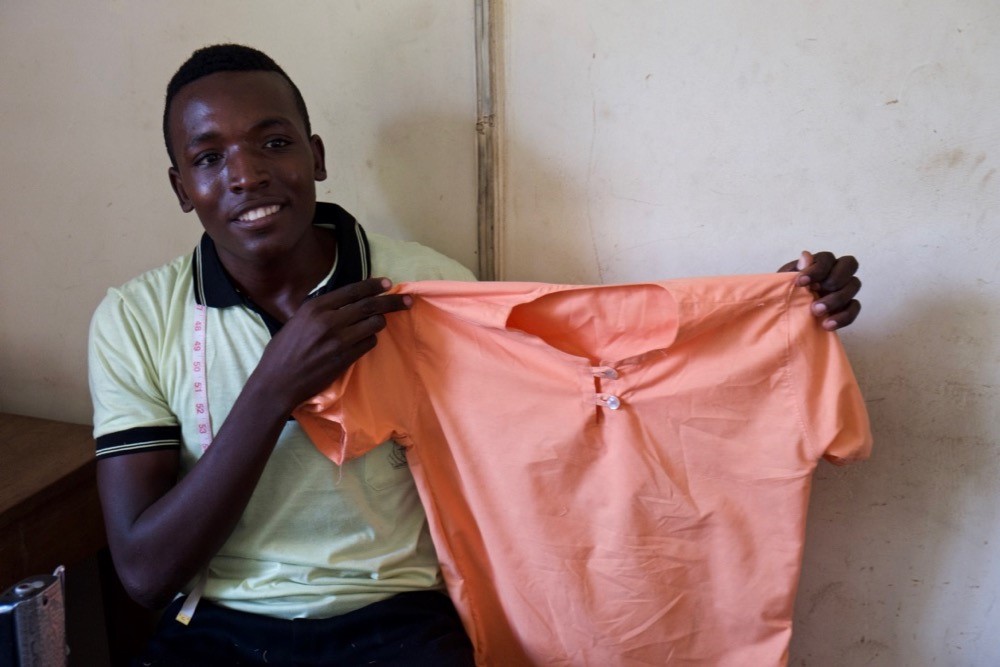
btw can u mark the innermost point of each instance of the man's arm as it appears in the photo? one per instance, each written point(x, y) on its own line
point(163, 531)
point(832, 279)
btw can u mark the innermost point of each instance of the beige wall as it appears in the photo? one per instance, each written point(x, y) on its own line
point(645, 139)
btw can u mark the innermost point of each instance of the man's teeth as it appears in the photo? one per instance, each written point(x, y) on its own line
point(256, 213)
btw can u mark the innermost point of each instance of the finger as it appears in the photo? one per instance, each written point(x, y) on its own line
point(843, 318)
point(331, 363)
point(818, 270)
point(356, 350)
point(343, 296)
point(804, 260)
point(834, 302)
point(375, 305)
point(841, 274)
point(342, 348)
point(366, 317)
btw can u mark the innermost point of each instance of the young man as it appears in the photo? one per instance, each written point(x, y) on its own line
point(301, 563)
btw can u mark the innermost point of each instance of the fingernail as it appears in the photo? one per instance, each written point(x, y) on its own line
point(386, 283)
point(829, 325)
point(819, 308)
point(408, 300)
point(803, 261)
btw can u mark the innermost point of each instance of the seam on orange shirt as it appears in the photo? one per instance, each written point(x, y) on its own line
point(790, 373)
point(414, 369)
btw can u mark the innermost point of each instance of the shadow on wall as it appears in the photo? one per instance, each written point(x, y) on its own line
point(897, 565)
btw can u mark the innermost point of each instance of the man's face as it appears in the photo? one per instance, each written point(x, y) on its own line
point(245, 164)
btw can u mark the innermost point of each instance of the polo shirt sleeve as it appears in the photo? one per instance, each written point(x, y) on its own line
point(831, 406)
point(375, 400)
point(131, 413)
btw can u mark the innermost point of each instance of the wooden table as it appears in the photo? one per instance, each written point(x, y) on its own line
point(50, 515)
point(49, 511)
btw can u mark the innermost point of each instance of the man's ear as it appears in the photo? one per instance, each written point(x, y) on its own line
point(178, 186)
point(319, 157)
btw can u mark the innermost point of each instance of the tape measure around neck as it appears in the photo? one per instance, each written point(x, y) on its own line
point(199, 373)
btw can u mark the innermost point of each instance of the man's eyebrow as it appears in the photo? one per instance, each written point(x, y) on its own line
point(268, 123)
point(262, 124)
point(201, 138)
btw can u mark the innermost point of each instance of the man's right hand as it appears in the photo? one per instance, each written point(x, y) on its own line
point(325, 336)
point(148, 512)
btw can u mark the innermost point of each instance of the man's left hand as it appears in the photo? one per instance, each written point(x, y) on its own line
point(833, 281)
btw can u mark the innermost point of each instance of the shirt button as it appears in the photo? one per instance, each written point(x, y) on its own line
point(613, 402)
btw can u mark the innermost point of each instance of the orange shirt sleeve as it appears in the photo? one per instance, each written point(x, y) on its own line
point(374, 401)
point(830, 403)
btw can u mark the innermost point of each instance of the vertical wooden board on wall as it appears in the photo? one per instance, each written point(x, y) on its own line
point(489, 130)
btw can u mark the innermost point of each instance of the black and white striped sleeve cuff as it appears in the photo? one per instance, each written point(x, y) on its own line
point(135, 440)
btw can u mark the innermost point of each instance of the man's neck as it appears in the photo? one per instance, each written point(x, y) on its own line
point(280, 285)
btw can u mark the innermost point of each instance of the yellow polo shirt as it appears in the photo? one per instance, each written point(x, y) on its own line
point(315, 540)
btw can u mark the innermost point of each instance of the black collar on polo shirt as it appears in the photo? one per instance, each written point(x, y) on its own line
point(213, 288)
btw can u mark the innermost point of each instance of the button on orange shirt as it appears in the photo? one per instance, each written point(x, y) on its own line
point(613, 475)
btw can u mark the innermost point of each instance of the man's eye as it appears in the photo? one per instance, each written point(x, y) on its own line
point(207, 159)
point(277, 143)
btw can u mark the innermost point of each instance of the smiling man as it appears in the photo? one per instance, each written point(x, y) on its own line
point(206, 483)
point(279, 288)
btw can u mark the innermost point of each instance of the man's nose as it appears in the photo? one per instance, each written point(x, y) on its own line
point(246, 171)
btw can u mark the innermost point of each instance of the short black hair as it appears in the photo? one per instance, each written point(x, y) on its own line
point(223, 58)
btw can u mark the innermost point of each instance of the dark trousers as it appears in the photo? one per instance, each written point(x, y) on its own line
point(420, 628)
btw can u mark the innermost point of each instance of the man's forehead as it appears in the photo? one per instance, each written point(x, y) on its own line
point(251, 95)
point(259, 83)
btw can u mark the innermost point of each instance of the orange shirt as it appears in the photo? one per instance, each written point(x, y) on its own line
point(613, 475)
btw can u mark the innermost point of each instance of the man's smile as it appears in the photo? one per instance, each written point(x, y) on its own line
point(259, 212)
